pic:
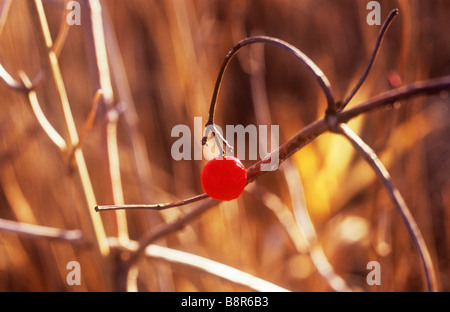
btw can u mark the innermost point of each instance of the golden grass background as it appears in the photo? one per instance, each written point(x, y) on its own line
point(170, 54)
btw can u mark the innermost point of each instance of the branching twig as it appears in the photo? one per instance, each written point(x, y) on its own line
point(312, 131)
point(299, 140)
point(369, 155)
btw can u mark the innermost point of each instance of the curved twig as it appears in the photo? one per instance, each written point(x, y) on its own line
point(322, 79)
point(383, 30)
point(371, 157)
point(45, 124)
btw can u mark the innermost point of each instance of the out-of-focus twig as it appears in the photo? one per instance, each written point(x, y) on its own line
point(54, 136)
point(4, 9)
point(320, 76)
point(96, 47)
point(306, 227)
point(40, 231)
point(63, 32)
point(89, 217)
point(369, 155)
point(10, 81)
point(201, 264)
point(89, 122)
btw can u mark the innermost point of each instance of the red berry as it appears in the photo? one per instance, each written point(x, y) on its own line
point(224, 178)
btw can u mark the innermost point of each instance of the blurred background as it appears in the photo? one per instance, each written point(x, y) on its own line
point(164, 57)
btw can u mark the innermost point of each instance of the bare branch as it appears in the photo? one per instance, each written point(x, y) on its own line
point(369, 155)
point(431, 86)
point(89, 122)
point(40, 231)
point(153, 206)
point(383, 30)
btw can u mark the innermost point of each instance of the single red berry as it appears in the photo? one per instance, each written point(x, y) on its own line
point(224, 178)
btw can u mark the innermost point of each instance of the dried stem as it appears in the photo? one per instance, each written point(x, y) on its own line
point(54, 136)
point(381, 34)
point(40, 231)
point(201, 264)
point(63, 32)
point(92, 220)
point(306, 227)
point(95, 36)
point(369, 155)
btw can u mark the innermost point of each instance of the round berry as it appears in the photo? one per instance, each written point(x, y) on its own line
point(224, 178)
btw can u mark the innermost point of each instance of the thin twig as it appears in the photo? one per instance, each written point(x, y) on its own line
point(384, 99)
point(381, 34)
point(40, 231)
point(320, 76)
point(201, 264)
point(89, 122)
point(369, 155)
point(153, 206)
point(54, 136)
point(96, 46)
point(63, 32)
point(87, 126)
